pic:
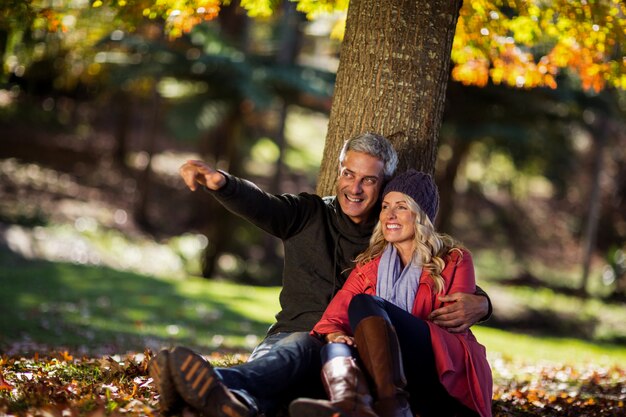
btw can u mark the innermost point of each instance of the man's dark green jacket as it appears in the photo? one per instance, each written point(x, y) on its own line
point(320, 241)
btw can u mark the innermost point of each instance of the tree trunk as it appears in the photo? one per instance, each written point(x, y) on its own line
point(4, 39)
point(144, 180)
point(392, 79)
point(219, 230)
point(289, 48)
point(599, 135)
point(122, 127)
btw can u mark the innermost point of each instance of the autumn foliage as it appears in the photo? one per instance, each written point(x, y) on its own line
point(521, 43)
point(60, 384)
point(526, 43)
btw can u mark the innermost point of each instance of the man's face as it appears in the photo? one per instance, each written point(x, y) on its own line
point(359, 184)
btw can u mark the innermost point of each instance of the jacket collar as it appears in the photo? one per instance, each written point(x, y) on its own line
point(349, 229)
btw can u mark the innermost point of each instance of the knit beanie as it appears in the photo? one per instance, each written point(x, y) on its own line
point(420, 187)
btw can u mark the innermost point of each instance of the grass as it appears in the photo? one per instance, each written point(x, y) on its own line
point(524, 348)
point(93, 310)
point(80, 331)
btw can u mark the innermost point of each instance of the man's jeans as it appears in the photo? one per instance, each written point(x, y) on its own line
point(283, 367)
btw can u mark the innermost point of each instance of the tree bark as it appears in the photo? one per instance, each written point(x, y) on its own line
point(122, 127)
point(4, 39)
point(599, 134)
point(144, 180)
point(219, 230)
point(289, 48)
point(392, 78)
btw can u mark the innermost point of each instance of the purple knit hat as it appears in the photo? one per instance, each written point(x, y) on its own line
point(420, 187)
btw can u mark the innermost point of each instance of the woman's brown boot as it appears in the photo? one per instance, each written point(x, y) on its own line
point(347, 389)
point(379, 350)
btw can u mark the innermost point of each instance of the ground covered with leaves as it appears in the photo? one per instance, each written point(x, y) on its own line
point(62, 385)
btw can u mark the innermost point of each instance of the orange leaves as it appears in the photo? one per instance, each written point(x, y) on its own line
point(180, 16)
point(511, 66)
point(527, 43)
point(558, 390)
point(591, 67)
point(58, 385)
point(118, 386)
point(183, 18)
point(65, 356)
point(4, 386)
point(472, 72)
point(51, 19)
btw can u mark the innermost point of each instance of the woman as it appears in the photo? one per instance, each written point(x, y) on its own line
point(416, 367)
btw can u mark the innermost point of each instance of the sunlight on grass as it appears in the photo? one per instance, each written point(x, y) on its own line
point(255, 303)
point(522, 348)
point(92, 309)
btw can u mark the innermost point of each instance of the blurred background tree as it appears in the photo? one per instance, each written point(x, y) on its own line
point(530, 157)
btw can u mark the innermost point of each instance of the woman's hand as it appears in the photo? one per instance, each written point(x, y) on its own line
point(339, 337)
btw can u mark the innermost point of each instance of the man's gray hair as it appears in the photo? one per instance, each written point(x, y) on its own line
point(375, 145)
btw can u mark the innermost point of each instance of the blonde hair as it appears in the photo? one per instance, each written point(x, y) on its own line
point(430, 247)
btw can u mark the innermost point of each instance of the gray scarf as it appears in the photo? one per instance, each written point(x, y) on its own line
point(395, 284)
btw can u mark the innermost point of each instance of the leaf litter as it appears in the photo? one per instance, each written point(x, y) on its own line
point(60, 385)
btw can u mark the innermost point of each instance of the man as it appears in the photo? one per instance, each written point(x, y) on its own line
point(322, 237)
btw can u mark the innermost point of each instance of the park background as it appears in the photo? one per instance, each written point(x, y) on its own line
point(105, 256)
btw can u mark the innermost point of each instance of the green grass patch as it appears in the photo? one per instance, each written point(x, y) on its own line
point(92, 310)
point(526, 349)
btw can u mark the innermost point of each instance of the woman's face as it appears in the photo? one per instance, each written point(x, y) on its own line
point(397, 220)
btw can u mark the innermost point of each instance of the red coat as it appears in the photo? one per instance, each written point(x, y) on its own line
point(461, 361)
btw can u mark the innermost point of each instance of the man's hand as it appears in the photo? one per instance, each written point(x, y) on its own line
point(197, 172)
point(339, 337)
point(464, 311)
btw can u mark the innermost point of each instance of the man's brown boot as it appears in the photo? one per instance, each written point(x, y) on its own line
point(379, 350)
point(170, 402)
point(199, 385)
point(347, 389)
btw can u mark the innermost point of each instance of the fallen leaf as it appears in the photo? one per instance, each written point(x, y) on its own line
point(4, 386)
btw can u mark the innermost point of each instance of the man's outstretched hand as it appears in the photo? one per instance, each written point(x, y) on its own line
point(463, 311)
point(197, 172)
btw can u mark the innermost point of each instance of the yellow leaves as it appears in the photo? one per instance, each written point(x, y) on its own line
point(621, 82)
point(186, 15)
point(339, 29)
point(315, 8)
point(258, 8)
point(525, 30)
point(590, 65)
point(580, 36)
point(514, 69)
point(180, 16)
